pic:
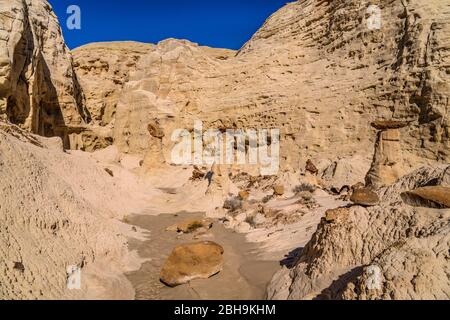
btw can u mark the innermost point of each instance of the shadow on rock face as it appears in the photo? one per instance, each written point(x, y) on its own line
point(431, 197)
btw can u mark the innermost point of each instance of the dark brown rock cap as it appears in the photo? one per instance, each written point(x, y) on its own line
point(390, 124)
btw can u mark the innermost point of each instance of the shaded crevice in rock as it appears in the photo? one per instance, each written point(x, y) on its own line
point(404, 243)
point(48, 120)
point(387, 164)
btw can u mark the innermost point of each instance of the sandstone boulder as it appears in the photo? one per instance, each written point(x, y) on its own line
point(191, 225)
point(187, 262)
point(155, 130)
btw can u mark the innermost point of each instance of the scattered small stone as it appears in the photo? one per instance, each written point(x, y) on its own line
point(278, 190)
point(172, 228)
point(240, 217)
point(266, 198)
point(233, 204)
point(269, 212)
point(203, 235)
point(110, 172)
point(431, 196)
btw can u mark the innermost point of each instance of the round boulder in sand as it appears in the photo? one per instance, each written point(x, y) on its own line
point(187, 262)
point(243, 195)
point(431, 196)
point(364, 197)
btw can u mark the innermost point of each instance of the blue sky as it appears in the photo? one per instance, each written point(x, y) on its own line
point(215, 23)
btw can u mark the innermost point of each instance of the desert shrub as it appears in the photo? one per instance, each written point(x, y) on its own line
point(305, 187)
point(267, 198)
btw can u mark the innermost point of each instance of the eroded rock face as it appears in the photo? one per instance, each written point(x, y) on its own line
point(161, 93)
point(391, 236)
point(187, 262)
point(412, 269)
point(38, 87)
point(55, 212)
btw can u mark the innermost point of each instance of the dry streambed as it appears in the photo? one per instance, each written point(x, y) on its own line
point(244, 274)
